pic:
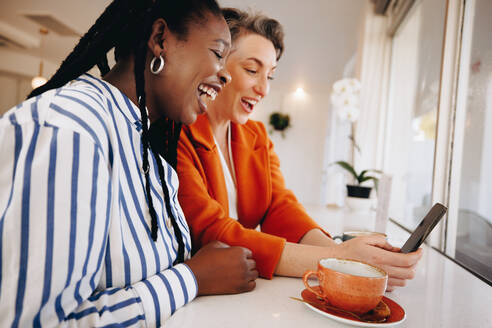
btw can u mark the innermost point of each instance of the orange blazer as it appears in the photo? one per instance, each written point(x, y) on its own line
point(262, 198)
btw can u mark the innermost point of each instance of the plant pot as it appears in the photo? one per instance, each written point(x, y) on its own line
point(358, 191)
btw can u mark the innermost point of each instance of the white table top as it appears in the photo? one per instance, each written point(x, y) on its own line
point(441, 295)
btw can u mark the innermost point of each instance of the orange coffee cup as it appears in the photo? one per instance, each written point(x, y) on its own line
point(348, 284)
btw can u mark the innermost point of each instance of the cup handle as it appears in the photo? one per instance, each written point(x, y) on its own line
point(305, 278)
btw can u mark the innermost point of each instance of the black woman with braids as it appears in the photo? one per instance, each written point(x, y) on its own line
point(91, 232)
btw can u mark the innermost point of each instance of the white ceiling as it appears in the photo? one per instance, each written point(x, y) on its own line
point(77, 14)
point(321, 35)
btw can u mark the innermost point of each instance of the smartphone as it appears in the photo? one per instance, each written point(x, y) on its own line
point(424, 228)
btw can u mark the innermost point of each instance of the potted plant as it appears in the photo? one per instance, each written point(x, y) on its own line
point(279, 122)
point(356, 190)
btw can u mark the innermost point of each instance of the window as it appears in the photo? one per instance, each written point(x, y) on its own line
point(469, 239)
point(412, 110)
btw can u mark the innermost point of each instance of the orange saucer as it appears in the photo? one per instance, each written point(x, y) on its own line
point(396, 317)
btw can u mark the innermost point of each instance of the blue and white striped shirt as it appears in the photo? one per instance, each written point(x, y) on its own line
point(75, 241)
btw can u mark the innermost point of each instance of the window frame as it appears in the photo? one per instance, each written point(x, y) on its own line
point(443, 238)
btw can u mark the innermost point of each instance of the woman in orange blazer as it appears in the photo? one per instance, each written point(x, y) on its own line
point(230, 179)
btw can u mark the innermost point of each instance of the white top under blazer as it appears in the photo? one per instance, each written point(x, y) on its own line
point(229, 177)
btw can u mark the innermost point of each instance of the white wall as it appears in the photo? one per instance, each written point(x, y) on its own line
point(16, 71)
point(20, 63)
point(13, 90)
point(301, 151)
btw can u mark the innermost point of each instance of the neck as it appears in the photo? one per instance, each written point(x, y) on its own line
point(218, 124)
point(122, 77)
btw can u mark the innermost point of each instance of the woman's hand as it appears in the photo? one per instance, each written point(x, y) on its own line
point(220, 269)
point(377, 251)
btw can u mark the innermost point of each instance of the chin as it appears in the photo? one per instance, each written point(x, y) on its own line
point(190, 120)
point(242, 119)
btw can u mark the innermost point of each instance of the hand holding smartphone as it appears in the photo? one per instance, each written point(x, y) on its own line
point(424, 228)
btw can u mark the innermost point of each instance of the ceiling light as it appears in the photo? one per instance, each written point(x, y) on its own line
point(39, 80)
point(300, 93)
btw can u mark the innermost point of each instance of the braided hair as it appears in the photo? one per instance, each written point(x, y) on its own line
point(126, 25)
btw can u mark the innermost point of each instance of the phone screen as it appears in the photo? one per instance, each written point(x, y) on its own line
point(424, 228)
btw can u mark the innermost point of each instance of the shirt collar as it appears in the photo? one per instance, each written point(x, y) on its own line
point(116, 97)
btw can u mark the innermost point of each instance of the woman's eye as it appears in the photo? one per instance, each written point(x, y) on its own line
point(252, 71)
point(217, 54)
point(271, 78)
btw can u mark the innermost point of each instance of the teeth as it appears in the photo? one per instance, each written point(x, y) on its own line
point(251, 101)
point(209, 91)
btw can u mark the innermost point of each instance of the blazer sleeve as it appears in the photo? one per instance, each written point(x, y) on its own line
point(285, 217)
point(208, 220)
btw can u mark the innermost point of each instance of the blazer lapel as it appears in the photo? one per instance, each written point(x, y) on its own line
point(202, 138)
point(201, 133)
point(250, 164)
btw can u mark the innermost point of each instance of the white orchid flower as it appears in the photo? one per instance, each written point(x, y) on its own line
point(342, 86)
point(355, 84)
point(352, 113)
point(345, 99)
point(348, 113)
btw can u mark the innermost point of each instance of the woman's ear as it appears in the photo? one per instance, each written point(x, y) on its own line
point(158, 35)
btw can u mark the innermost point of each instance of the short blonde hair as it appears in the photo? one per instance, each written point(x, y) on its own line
point(242, 22)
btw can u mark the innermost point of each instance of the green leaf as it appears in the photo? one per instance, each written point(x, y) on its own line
point(347, 167)
point(279, 121)
point(361, 176)
point(376, 184)
point(367, 178)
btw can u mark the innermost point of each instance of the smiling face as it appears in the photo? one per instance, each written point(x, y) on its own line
point(251, 64)
point(193, 72)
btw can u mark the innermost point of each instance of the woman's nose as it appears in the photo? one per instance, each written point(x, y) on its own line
point(224, 76)
point(262, 87)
